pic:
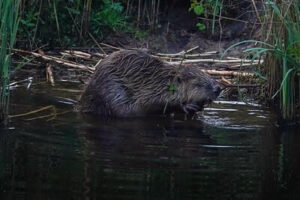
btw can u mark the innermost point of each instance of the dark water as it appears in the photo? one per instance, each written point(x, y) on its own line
point(230, 152)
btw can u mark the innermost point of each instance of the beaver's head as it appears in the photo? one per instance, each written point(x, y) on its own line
point(197, 89)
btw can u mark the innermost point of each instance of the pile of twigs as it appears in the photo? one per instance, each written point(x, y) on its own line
point(208, 61)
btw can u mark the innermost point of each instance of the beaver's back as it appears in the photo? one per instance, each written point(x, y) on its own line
point(124, 81)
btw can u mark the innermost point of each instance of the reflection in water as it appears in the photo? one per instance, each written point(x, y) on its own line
point(230, 152)
point(281, 162)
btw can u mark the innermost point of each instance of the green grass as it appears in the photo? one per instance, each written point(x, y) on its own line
point(283, 47)
point(8, 29)
point(286, 39)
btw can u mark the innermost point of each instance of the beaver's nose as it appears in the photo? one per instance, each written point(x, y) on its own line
point(217, 90)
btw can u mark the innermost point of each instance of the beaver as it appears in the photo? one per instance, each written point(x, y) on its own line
point(133, 83)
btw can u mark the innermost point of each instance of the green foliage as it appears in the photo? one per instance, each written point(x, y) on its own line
point(287, 40)
point(200, 26)
point(69, 21)
point(205, 8)
point(110, 16)
point(29, 20)
point(172, 88)
point(285, 50)
point(9, 11)
point(197, 7)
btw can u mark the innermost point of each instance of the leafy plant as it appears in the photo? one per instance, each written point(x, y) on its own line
point(285, 51)
point(28, 25)
point(200, 26)
point(9, 11)
point(70, 21)
point(110, 16)
point(172, 88)
point(197, 7)
point(205, 8)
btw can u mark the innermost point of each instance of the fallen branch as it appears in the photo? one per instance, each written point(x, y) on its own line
point(51, 107)
point(201, 54)
point(97, 43)
point(237, 103)
point(244, 65)
point(110, 46)
point(49, 74)
point(189, 50)
point(58, 60)
point(14, 84)
point(53, 116)
point(78, 54)
point(180, 54)
point(226, 81)
point(208, 60)
point(227, 73)
point(83, 55)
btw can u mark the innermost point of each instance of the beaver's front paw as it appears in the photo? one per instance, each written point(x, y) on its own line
point(190, 108)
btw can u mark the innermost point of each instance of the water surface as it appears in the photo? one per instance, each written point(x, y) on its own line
point(231, 151)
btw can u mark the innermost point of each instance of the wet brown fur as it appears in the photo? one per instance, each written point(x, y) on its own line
point(133, 83)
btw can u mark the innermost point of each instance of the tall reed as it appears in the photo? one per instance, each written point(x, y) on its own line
point(9, 11)
point(146, 11)
point(282, 63)
point(285, 35)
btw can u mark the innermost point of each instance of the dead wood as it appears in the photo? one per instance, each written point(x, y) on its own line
point(84, 55)
point(61, 61)
point(49, 74)
point(228, 73)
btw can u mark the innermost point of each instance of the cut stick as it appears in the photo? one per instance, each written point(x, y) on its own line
point(49, 74)
point(64, 62)
point(210, 61)
point(167, 58)
point(33, 111)
point(179, 56)
point(68, 55)
point(245, 65)
point(199, 55)
point(79, 54)
point(189, 50)
point(29, 79)
point(110, 46)
point(192, 55)
point(82, 54)
point(226, 81)
point(227, 73)
point(58, 60)
point(53, 116)
point(99, 46)
point(100, 55)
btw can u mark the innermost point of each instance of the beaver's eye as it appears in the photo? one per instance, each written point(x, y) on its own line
point(208, 87)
